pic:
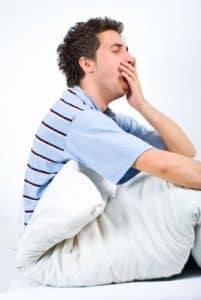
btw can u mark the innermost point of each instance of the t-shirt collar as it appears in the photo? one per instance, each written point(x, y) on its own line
point(89, 101)
point(84, 97)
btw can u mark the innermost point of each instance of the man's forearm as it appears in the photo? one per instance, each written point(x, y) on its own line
point(173, 136)
point(183, 171)
point(176, 168)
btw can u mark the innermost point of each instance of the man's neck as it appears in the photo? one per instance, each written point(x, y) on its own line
point(95, 95)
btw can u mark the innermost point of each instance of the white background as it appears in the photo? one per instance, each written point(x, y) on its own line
point(164, 36)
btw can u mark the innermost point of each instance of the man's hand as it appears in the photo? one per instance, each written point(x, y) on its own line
point(134, 93)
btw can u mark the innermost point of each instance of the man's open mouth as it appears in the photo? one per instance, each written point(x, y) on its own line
point(125, 82)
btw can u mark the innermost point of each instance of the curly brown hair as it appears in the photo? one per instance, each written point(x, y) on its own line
point(82, 40)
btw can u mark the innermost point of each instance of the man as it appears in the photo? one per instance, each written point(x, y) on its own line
point(80, 125)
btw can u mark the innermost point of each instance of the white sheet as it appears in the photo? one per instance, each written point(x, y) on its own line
point(183, 287)
point(146, 231)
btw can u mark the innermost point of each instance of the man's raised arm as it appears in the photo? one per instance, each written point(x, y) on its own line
point(173, 136)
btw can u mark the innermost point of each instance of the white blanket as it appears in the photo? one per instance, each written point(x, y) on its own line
point(96, 233)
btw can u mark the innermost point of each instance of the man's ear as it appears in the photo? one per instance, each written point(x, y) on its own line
point(86, 64)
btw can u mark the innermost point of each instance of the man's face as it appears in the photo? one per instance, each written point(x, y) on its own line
point(111, 52)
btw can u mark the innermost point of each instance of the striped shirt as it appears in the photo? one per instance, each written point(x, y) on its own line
point(76, 129)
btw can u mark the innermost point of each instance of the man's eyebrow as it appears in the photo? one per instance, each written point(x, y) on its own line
point(119, 46)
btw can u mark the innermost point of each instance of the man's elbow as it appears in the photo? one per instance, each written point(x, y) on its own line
point(192, 152)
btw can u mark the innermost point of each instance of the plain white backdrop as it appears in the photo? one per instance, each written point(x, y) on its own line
point(164, 36)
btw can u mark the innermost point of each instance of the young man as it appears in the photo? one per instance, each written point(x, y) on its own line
point(80, 125)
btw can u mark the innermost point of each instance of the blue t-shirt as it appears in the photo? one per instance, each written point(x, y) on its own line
point(75, 128)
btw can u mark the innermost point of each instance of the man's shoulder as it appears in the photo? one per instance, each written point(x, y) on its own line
point(67, 106)
point(71, 100)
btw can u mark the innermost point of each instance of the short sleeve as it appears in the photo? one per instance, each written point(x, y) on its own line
point(96, 141)
point(130, 125)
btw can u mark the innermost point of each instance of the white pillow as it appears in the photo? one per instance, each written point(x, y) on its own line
point(70, 202)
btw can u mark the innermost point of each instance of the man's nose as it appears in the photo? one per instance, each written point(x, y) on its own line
point(131, 60)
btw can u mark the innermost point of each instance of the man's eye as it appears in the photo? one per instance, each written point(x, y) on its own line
point(115, 50)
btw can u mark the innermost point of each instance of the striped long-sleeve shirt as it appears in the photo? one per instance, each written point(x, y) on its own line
point(75, 128)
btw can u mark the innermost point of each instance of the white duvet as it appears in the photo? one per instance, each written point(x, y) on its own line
point(86, 232)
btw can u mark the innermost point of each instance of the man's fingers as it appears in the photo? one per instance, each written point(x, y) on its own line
point(130, 72)
point(129, 67)
point(127, 77)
